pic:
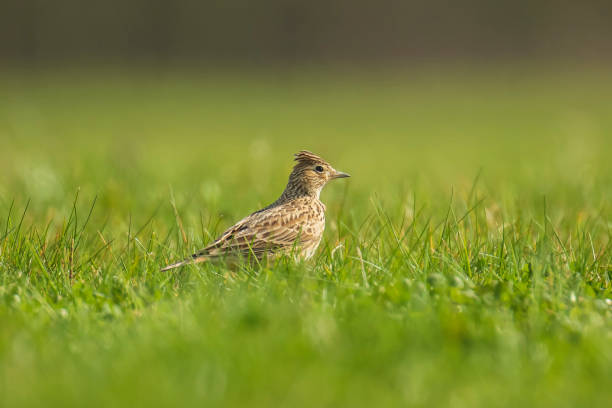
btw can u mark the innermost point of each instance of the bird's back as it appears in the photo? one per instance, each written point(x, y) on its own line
point(292, 227)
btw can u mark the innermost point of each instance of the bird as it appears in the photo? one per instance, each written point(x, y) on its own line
point(293, 224)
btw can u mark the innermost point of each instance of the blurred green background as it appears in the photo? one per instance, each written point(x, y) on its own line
point(467, 262)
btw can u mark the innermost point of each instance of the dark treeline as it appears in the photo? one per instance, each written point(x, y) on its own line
point(301, 31)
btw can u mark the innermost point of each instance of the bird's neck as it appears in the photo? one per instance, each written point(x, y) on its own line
point(297, 187)
point(297, 190)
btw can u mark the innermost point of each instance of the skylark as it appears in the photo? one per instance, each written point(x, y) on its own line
point(293, 224)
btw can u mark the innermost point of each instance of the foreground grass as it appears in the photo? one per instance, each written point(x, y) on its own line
point(466, 263)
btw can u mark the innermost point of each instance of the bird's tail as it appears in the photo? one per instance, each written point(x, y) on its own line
point(191, 260)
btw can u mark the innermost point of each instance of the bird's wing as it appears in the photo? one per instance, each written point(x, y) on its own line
point(275, 229)
point(272, 230)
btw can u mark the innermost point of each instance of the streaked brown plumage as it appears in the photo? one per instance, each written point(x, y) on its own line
point(292, 224)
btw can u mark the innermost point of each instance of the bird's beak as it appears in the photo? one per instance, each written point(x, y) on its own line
point(340, 174)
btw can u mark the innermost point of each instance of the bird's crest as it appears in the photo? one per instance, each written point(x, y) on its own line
point(304, 156)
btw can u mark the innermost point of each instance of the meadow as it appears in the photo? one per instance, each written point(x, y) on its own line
point(466, 263)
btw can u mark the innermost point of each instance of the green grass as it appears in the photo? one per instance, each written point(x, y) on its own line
point(466, 263)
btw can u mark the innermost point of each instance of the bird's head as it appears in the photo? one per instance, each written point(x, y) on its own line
point(311, 173)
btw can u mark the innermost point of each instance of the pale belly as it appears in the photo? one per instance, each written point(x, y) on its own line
point(309, 250)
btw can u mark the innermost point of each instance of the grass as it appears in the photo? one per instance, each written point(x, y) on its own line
point(466, 263)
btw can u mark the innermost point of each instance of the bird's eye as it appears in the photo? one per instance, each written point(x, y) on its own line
point(319, 169)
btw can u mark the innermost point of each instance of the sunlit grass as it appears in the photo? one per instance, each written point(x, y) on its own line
point(467, 262)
